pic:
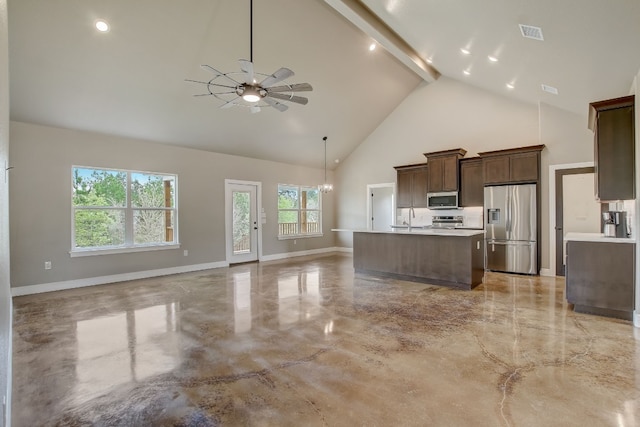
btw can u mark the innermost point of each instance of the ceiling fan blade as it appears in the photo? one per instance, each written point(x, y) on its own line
point(209, 83)
point(217, 73)
point(228, 104)
point(247, 67)
point(275, 104)
point(279, 75)
point(296, 87)
point(291, 98)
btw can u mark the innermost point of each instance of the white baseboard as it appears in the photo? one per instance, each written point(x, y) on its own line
point(101, 280)
point(546, 272)
point(300, 253)
point(346, 250)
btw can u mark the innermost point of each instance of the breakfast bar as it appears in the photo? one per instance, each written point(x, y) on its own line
point(453, 258)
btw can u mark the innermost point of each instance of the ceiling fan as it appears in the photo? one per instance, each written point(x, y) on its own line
point(244, 90)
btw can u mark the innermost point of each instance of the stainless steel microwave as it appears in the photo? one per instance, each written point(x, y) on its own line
point(443, 200)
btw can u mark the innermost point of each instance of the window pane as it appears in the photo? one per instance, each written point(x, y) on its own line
point(310, 222)
point(99, 227)
point(287, 197)
point(152, 226)
point(310, 198)
point(97, 187)
point(287, 223)
point(152, 191)
point(241, 222)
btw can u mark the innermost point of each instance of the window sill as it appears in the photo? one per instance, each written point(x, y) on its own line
point(121, 250)
point(299, 236)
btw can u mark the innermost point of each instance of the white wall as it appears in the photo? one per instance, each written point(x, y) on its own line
point(450, 114)
point(41, 202)
point(5, 294)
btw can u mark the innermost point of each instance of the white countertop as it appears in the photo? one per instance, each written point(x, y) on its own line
point(596, 237)
point(427, 232)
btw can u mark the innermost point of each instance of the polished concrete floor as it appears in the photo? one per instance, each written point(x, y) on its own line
point(304, 342)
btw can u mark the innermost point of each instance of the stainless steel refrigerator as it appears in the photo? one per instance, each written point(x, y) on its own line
point(511, 228)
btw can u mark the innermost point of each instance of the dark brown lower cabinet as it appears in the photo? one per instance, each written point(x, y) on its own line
point(448, 260)
point(600, 278)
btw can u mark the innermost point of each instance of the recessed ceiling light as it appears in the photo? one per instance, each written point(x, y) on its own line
point(467, 72)
point(102, 26)
point(372, 47)
point(465, 51)
point(510, 86)
point(492, 58)
point(549, 89)
point(429, 60)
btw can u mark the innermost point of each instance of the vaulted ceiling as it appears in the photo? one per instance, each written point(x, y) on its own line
point(130, 81)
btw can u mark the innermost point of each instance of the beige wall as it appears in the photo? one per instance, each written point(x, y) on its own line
point(449, 114)
point(5, 294)
point(41, 202)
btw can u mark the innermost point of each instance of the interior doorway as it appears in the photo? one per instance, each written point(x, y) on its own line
point(242, 201)
point(576, 208)
point(380, 206)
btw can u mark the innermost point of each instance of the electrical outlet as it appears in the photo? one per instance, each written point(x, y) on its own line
point(47, 265)
point(295, 241)
point(186, 252)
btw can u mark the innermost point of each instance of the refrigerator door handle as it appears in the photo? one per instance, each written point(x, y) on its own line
point(508, 213)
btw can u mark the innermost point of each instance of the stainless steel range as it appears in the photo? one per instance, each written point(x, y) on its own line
point(456, 221)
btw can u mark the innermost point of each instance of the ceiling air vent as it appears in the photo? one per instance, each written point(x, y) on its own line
point(549, 89)
point(531, 32)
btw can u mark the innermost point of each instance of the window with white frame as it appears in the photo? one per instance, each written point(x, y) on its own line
point(122, 209)
point(299, 211)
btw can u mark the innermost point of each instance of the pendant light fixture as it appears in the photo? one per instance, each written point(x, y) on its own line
point(326, 187)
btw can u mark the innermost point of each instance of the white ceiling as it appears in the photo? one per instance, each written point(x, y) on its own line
point(130, 81)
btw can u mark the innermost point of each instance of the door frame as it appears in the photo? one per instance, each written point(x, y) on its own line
point(552, 209)
point(559, 215)
point(391, 185)
point(228, 240)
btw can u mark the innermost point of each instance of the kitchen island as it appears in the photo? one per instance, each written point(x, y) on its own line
point(453, 258)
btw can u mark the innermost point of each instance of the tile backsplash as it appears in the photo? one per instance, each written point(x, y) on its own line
point(419, 217)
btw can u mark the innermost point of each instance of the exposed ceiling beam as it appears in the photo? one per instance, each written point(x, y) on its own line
point(368, 22)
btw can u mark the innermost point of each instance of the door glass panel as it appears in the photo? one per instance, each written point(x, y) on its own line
point(241, 222)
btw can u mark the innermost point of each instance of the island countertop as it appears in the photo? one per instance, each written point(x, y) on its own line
point(459, 232)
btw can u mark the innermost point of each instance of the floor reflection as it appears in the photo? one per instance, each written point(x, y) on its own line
point(298, 297)
point(125, 347)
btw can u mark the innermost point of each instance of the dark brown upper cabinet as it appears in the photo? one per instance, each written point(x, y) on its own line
point(471, 182)
point(412, 186)
point(443, 169)
point(612, 122)
point(511, 166)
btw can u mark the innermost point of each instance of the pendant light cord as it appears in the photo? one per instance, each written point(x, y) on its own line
point(325, 158)
point(251, 31)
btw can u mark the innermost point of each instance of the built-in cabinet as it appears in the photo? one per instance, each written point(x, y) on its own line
point(471, 182)
point(512, 166)
point(412, 186)
point(612, 122)
point(443, 170)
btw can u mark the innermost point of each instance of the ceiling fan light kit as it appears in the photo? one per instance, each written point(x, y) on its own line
point(243, 90)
